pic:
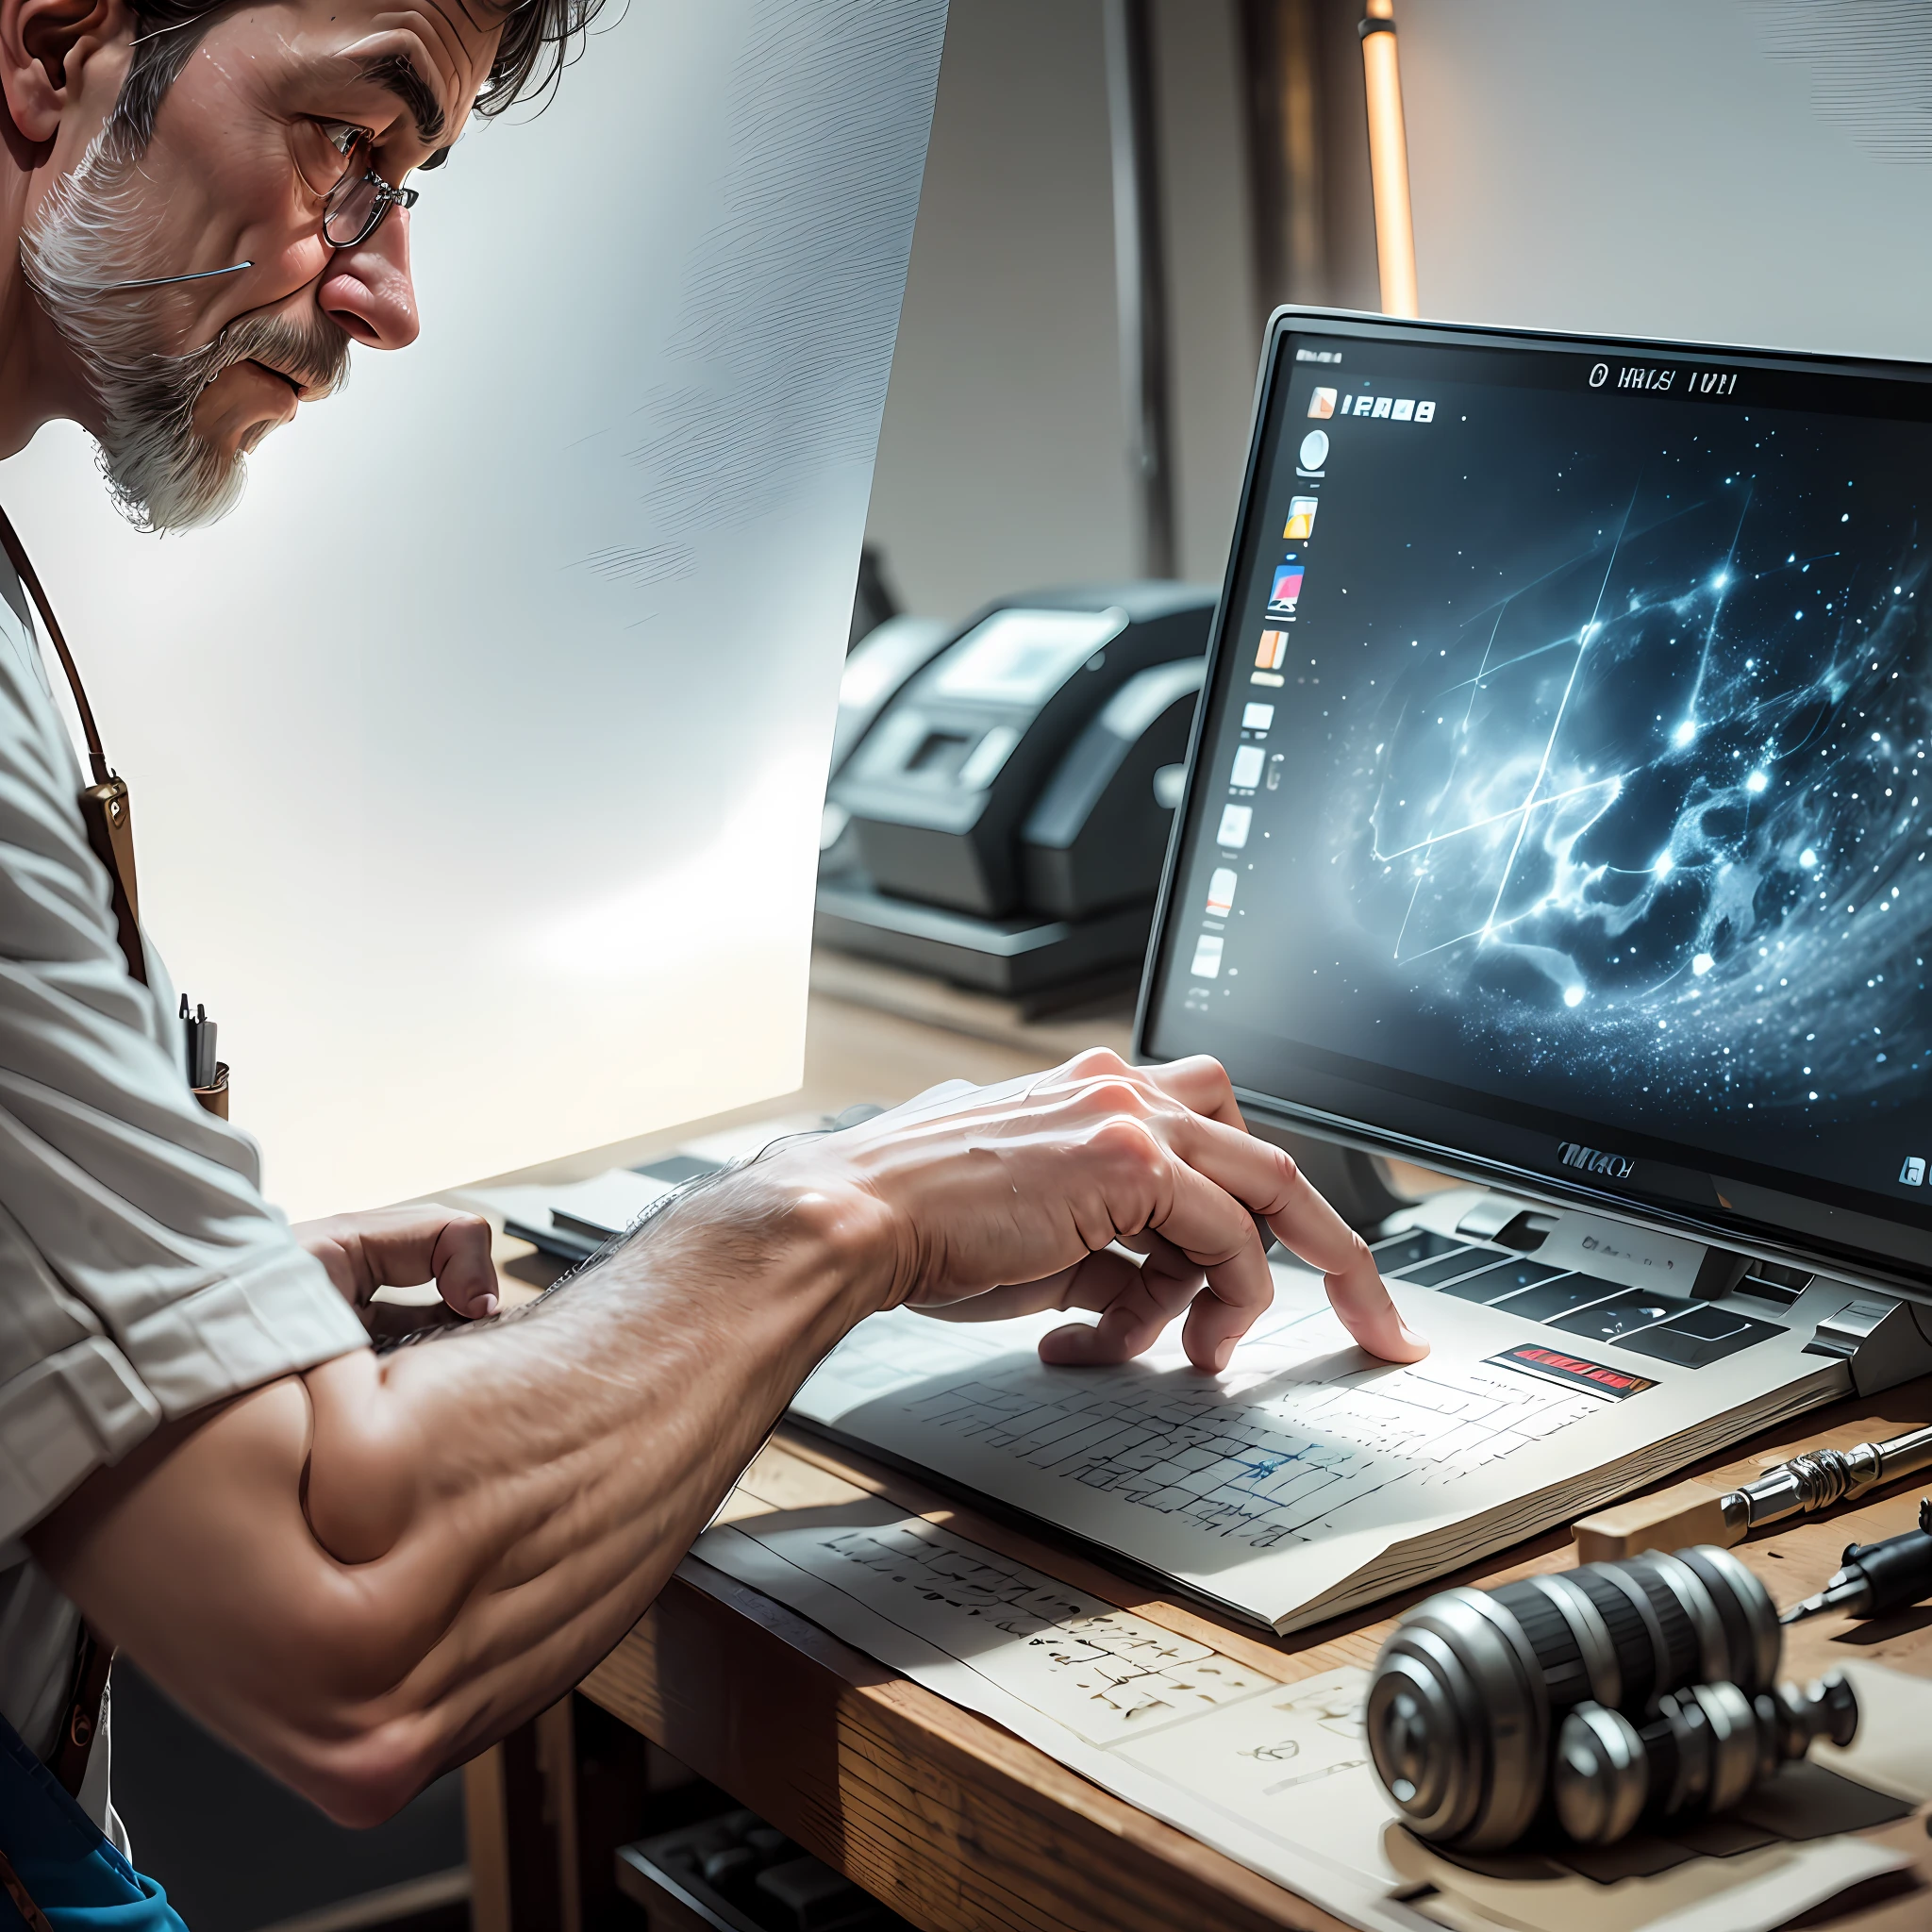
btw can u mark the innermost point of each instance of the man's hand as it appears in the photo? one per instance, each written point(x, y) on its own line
point(1010, 1199)
point(404, 1248)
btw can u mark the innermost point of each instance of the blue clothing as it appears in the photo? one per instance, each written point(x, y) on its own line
point(76, 1877)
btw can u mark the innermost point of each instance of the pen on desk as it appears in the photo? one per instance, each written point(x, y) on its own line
point(1876, 1577)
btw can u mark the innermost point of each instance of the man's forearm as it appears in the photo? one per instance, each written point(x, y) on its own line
point(366, 1575)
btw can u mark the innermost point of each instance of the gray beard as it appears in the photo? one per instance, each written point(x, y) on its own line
point(161, 474)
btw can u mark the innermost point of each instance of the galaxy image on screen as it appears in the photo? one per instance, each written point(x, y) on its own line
point(1604, 770)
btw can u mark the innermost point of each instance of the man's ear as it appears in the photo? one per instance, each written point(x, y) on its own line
point(44, 46)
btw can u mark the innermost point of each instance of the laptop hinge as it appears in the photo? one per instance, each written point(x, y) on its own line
point(1878, 1339)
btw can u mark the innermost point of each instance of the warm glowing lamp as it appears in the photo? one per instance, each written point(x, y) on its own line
point(1389, 160)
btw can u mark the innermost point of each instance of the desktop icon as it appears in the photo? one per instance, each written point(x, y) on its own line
point(1321, 403)
point(1208, 956)
point(1286, 591)
point(1257, 717)
point(1235, 821)
point(1248, 761)
point(1301, 518)
point(1272, 652)
point(1912, 1175)
point(1314, 451)
point(1220, 892)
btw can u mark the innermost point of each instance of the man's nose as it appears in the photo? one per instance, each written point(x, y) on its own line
point(368, 292)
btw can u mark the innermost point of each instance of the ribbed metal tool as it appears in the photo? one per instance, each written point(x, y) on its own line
point(1824, 1477)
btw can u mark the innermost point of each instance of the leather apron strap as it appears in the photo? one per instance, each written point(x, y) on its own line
point(36, 1919)
point(105, 808)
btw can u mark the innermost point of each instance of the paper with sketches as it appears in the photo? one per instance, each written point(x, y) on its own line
point(1308, 1476)
point(1274, 1775)
point(1266, 1487)
point(1103, 1672)
point(1300, 1427)
point(943, 1631)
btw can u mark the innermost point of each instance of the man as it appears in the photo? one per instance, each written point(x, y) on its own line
point(363, 1569)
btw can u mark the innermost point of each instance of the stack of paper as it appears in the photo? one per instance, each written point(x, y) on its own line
point(1309, 1478)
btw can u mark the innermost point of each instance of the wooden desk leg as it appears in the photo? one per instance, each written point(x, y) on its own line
point(519, 1804)
point(485, 1827)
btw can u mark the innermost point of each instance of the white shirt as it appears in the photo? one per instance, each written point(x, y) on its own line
point(142, 1275)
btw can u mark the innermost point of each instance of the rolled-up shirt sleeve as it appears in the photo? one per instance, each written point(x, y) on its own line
point(142, 1275)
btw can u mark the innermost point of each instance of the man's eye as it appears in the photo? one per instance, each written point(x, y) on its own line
point(329, 151)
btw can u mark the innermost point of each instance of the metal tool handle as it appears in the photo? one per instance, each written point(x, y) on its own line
point(1809, 1483)
point(1904, 1455)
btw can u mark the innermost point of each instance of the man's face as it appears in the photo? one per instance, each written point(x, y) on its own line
point(177, 384)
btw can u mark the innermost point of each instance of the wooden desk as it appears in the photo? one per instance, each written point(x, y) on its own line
point(948, 1818)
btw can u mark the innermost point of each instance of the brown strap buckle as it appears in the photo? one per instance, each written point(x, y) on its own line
point(93, 1661)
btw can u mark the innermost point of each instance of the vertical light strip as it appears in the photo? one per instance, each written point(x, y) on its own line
point(1389, 160)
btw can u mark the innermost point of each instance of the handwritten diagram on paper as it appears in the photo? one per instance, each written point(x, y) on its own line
point(1099, 1670)
point(1269, 1455)
point(1113, 1696)
point(1293, 1765)
point(1277, 1775)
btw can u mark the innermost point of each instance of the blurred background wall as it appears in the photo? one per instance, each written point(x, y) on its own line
point(1751, 170)
point(1744, 171)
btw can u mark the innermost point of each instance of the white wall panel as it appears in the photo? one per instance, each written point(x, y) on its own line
point(478, 758)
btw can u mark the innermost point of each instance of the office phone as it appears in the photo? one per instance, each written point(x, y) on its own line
point(1002, 793)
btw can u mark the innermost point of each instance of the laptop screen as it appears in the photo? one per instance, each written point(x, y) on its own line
point(1558, 806)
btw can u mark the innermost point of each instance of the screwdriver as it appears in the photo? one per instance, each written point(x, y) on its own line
point(1878, 1578)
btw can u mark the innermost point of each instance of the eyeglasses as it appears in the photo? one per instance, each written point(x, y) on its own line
point(356, 206)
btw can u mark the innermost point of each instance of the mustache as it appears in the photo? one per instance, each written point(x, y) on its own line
point(313, 354)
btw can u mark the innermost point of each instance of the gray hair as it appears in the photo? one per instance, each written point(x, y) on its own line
point(86, 238)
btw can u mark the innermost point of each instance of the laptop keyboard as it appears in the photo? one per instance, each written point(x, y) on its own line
point(1691, 1335)
point(1447, 1268)
point(1405, 1250)
point(1499, 1279)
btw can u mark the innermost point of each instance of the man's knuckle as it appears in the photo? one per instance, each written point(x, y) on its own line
point(1125, 1142)
point(1097, 1059)
point(1116, 1094)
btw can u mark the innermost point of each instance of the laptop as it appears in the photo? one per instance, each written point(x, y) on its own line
point(1559, 814)
point(1558, 819)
